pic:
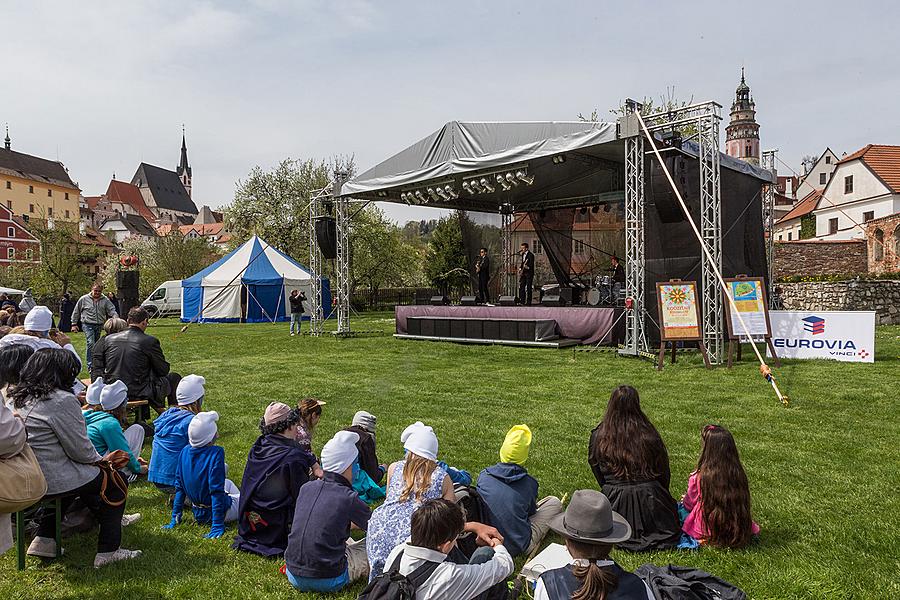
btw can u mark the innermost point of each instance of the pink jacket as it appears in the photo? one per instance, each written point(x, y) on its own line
point(693, 524)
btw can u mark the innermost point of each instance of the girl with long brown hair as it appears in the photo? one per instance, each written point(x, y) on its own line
point(718, 494)
point(631, 465)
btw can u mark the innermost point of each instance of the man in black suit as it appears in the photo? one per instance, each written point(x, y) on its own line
point(526, 274)
point(137, 359)
point(483, 270)
point(618, 277)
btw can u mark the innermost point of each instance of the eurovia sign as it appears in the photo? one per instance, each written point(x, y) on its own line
point(838, 335)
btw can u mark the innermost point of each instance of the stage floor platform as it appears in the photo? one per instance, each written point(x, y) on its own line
point(557, 343)
point(575, 324)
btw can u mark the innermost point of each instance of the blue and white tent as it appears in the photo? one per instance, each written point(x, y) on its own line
point(251, 283)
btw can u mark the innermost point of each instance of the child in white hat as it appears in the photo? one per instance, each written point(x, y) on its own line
point(105, 418)
point(171, 432)
point(200, 479)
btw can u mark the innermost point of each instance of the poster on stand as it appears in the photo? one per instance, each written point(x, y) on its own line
point(749, 296)
point(838, 335)
point(679, 313)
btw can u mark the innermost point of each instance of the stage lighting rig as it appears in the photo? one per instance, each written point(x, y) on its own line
point(475, 186)
point(448, 189)
point(486, 185)
point(502, 182)
point(433, 194)
point(559, 159)
point(444, 195)
point(421, 197)
point(522, 176)
point(468, 188)
point(511, 179)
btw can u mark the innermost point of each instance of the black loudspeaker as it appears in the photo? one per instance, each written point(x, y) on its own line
point(664, 199)
point(554, 300)
point(507, 300)
point(127, 284)
point(439, 301)
point(326, 236)
point(468, 301)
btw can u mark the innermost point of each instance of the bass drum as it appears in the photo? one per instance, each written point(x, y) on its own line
point(593, 297)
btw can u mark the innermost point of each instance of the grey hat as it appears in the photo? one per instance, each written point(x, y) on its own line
point(590, 518)
point(365, 420)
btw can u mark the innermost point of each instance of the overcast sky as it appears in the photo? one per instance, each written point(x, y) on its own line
point(106, 85)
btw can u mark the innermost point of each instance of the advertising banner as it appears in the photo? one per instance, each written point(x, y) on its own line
point(750, 302)
point(839, 335)
point(679, 314)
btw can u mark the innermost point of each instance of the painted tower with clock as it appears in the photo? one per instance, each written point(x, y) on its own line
point(742, 133)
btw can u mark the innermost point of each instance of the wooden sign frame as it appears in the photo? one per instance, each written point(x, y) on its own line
point(664, 338)
point(734, 338)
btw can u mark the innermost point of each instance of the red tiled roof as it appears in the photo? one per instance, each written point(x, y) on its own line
point(204, 230)
point(125, 193)
point(883, 160)
point(804, 207)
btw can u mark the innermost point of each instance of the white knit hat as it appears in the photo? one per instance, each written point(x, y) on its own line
point(190, 389)
point(113, 395)
point(419, 439)
point(92, 395)
point(39, 318)
point(340, 452)
point(364, 419)
point(202, 430)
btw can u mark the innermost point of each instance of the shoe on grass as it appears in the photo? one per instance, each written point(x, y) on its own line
point(104, 558)
point(130, 519)
point(44, 547)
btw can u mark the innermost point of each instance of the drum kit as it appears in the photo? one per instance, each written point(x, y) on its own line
point(602, 292)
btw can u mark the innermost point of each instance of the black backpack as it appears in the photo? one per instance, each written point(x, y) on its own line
point(391, 585)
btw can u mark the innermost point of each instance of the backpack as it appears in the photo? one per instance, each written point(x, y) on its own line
point(391, 585)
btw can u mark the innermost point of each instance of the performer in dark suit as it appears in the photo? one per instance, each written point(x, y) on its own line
point(618, 277)
point(526, 274)
point(483, 270)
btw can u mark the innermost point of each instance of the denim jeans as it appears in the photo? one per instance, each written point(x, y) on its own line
point(298, 319)
point(92, 333)
point(312, 584)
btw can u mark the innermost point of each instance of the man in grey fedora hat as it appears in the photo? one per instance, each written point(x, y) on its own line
point(591, 529)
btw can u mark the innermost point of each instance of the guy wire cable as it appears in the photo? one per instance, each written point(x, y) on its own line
point(763, 367)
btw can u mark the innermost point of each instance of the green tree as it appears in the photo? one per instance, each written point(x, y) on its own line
point(667, 103)
point(380, 257)
point(446, 264)
point(63, 258)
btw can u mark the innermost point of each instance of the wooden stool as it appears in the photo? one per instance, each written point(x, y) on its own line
point(20, 528)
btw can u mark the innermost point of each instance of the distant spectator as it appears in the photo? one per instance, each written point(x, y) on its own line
point(36, 333)
point(115, 301)
point(66, 306)
point(296, 299)
point(90, 313)
point(12, 360)
point(8, 303)
point(27, 302)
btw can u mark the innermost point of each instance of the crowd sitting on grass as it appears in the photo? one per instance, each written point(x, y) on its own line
point(452, 539)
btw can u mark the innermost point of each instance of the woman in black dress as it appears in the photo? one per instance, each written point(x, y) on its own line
point(631, 464)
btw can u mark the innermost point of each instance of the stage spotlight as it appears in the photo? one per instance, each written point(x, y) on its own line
point(448, 189)
point(467, 187)
point(444, 195)
point(511, 179)
point(405, 197)
point(421, 197)
point(559, 159)
point(521, 176)
point(382, 194)
point(486, 185)
point(474, 185)
point(595, 209)
point(503, 183)
point(433, 194)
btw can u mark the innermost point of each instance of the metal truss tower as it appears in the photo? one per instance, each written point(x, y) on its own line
point(635, 336)
point(316, 311)
point(342, 218)
point(506, 272)
point(768, 207)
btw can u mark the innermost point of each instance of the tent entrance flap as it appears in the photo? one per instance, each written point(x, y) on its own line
point(223, 302)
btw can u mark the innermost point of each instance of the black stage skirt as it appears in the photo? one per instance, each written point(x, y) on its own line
point(651, 511)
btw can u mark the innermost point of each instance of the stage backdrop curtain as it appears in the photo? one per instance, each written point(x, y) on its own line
point(554, 230)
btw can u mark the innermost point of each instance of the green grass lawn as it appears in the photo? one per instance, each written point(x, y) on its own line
point(824, 473)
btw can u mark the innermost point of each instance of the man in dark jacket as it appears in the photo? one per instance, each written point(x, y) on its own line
point(526, 275)
point(510, 496)
point(137, 359)
point(296, 300)
point(66, 306)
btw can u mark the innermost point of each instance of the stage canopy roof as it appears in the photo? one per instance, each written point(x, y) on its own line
point(573, 163)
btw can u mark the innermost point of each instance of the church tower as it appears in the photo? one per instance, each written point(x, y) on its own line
point(742, 133)
point(184, 169)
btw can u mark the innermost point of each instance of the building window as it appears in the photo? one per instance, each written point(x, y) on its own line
point(9, 185)
point(67, 214)
point(49, 193)
point(832, 225)
point(823, 178)
point(579, 247)
point(868, 215)
point(848, 184)
point(827, 160)
point(11, 232)
point(878, 250)
point(11, 253)
point(9, 204)
point(49, 211)
point(31, 208)
point(749, 150)
point(780, 237)
point(536, 246)
point(790, 234)
point(29, 254)
point(67, 195)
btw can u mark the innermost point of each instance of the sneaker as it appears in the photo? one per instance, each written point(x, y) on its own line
point(292, 335)
point(43, 547)
point(130, 519)
point(104, 558)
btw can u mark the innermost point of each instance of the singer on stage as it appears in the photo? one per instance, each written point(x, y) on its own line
point(483, 270)
point(526, 275)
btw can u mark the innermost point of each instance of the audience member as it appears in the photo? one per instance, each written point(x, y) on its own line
point(66, 306)
point(12, 359)
point(510, 494)
point(90, 313)
point(363, 425)
point(12, 442)
point(170, 435)
point(435, 527)
point(105, 423)
point(411, 482)
point(114, 325)
point(591, 528)
point(37, 332)
point(8, 303)
point(718, 494)
point(137, 359)
point(320, 555)
point(200, 479)
point(310, 412)
point(276, 468)
point(631, 464)
point(27, 302)
point(58, 435)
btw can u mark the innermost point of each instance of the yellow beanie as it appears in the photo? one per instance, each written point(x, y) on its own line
point(515, 446)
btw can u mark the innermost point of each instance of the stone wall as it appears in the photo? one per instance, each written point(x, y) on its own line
point(883, 236)
point(820, 257)
point(880, 295)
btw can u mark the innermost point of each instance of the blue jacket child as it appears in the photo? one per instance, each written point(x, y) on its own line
point(171, 432)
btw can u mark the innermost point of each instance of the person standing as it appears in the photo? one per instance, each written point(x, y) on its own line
point(66, 306)
point(483, 270)
point(27, 302)
point(115, 301)
point(297, 298)
point(90, 313)
point(618, 277)
point(526, 274)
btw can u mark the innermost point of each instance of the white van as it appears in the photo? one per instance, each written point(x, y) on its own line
point(165, 300)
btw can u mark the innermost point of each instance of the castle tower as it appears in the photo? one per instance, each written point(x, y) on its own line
point(184, 169)
point(742, 133)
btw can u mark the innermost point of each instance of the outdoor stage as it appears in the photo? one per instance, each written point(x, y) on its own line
point(548, 326)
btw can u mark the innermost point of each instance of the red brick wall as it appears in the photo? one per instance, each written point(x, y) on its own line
point(884, 257)
point(815, 257)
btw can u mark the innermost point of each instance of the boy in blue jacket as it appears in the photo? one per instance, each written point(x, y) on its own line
point(200, 479)
point(171, 432)
point(510, 496)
